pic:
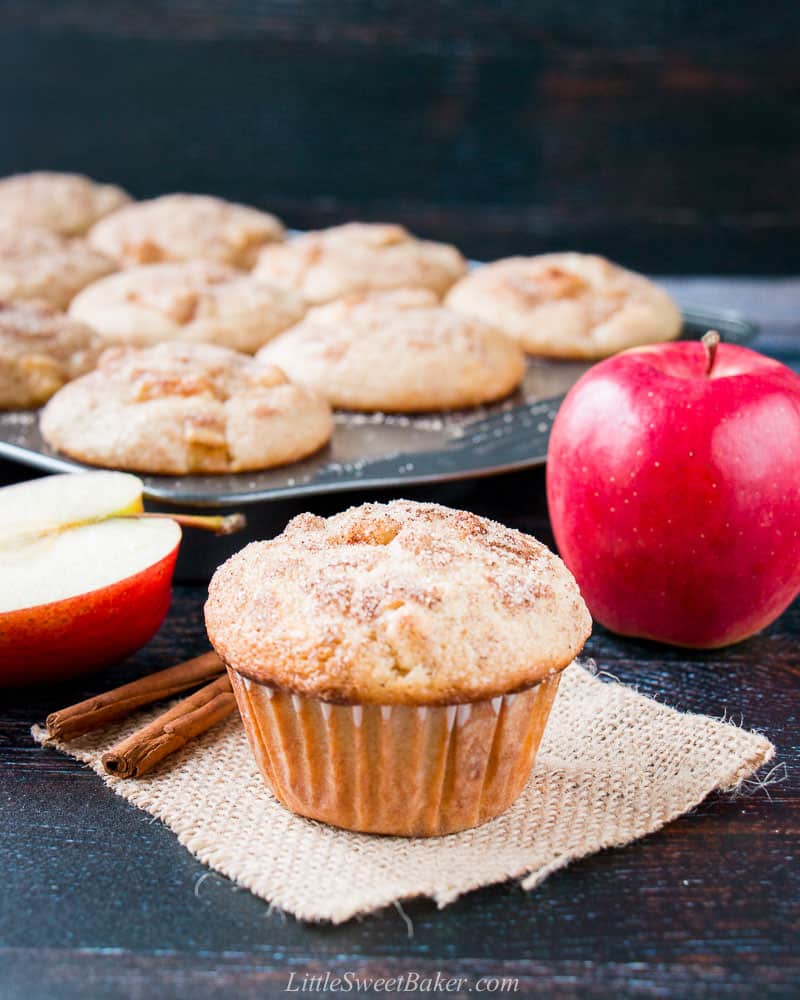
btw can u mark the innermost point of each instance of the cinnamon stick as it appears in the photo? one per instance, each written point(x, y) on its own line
point(96, 712)
point(136, 755)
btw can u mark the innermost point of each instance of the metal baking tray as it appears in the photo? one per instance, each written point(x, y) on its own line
point(381, 451)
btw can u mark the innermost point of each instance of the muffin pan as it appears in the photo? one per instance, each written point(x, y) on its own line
point(377, 451)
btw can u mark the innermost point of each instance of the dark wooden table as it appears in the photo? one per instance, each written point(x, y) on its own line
point(98, 899)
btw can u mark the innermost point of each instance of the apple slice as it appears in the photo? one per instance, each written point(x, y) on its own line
point(54, 503)
point(82, 582)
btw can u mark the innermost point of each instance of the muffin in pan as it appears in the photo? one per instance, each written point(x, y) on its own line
point(395, 664)
point(185, 227)
point(67, 204)
point(177, 409)
point(360, 257)
point(38, 264)
point(193, 301)
point(568, 305)
point(399, 352)
point(40, 350)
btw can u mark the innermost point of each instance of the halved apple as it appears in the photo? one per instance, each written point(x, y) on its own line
point(82, 582)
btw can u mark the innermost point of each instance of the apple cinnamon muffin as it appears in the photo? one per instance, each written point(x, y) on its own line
point(67, 204)
point(185, 227)
point(194, 301)
point(39, 264)
point(40, 350)
point(568, 305)
point(178, 409)
point(360, 257)
point(395, 664)
point(398, 352)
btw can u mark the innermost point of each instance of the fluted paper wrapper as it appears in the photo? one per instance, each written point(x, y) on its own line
point(612, 766)
point(394, 769)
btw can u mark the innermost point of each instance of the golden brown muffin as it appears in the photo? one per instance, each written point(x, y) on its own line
point(185, 227)
point(40, 350)
point(185, 408)
point(398, 352)
point(395, 664)
point(195, 301)
point(38, 264)
point(359, 257)
point(568, 305)
point(67, 204)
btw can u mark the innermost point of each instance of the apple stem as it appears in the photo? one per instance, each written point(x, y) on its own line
point(710, 342)
point(220, 524)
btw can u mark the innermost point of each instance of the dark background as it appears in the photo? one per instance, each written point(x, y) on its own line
point(664, 133)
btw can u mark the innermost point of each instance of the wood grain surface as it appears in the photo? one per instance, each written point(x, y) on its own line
point(100, 900)
point(664, 133)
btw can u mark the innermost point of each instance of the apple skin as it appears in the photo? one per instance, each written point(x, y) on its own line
point(674, 495)
point(63, 639)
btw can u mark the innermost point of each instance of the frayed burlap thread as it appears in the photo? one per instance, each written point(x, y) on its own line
point(613, 766)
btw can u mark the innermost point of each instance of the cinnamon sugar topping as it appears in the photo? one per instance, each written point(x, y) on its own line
point(181, 408)
point(396, 603)
point(567, 305)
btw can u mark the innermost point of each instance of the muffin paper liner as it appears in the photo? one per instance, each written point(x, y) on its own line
point(394, 769)
point(613, 766)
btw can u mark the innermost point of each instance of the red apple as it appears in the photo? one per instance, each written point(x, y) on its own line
point(82, 583)
point(673, 482)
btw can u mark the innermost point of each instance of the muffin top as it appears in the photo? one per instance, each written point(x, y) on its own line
point(398, 351)
point(360, 257)
point(40, 350)
point(186, 227)
point(38, 264)
point(399, 603)
point(185, 408)
point(568, 305)
point(68, 204)
point(197, 300)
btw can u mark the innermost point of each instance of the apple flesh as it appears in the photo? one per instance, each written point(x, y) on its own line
point(673, 483)
point(82, 583)
point(54, 503)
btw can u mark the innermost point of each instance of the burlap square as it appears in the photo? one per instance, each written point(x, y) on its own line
point(612, 767)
